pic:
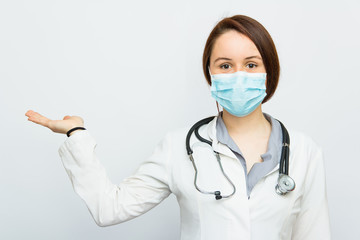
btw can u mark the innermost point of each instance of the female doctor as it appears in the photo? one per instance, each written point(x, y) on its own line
point(245, 179)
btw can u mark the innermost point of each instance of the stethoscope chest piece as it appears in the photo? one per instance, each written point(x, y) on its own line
point(285, 184)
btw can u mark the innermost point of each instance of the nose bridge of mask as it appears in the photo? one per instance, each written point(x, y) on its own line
point(244, 73)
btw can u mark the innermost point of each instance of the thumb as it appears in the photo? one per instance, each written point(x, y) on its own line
point(66, 117)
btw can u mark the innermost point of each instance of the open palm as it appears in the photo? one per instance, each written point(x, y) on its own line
point(58, 126)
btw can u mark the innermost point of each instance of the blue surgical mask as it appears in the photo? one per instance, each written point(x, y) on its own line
point(239, 93)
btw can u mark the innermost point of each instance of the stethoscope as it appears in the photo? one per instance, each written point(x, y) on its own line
point(284, 184)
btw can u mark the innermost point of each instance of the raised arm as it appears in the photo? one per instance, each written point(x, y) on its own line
point(109, 203)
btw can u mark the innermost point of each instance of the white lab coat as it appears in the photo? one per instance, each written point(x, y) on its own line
point(301, 214)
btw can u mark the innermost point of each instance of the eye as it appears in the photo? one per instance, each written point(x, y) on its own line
point(227, 66)
point(251, 65)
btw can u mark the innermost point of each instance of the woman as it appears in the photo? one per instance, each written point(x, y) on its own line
point(241, 65)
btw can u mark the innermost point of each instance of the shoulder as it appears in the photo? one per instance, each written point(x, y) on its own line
point(179, 135)
point(298, 137)
point(304, 144)
point(176, 135)
point(173, 138)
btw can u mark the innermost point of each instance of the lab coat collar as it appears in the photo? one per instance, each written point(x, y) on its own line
point(218, 146)
point(221, 148)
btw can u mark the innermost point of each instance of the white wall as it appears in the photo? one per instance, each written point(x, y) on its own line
point(132, 70)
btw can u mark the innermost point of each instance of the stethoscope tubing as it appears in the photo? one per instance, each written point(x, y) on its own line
point(195, 126)
point(284, 165)
point(285, 183)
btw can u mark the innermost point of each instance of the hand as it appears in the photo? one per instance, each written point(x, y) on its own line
point(58, 126)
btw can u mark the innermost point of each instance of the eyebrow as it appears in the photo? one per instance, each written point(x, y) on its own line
point(224, 58)
point(256, 56)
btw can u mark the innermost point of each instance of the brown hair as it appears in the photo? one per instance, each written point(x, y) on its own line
point(262, 40)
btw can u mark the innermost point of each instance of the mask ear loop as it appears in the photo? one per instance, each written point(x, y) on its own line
point(217, 105)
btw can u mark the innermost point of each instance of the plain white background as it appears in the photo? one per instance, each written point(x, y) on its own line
point(133, 71)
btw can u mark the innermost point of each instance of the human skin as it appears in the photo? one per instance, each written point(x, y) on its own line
point(58, 126)
point(234, 52)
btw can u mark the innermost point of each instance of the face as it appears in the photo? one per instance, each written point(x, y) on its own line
point(233, 52)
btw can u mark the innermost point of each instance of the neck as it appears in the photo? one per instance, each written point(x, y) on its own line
point(253, 124)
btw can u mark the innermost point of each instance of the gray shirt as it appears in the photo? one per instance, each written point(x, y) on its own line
point(270, 159)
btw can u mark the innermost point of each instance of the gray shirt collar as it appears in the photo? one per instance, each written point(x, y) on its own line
point(274, 145)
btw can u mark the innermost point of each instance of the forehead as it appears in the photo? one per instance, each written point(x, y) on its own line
point(234, 45)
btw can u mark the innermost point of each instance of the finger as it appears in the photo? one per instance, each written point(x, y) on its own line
point(37, 118)
point(29, 112)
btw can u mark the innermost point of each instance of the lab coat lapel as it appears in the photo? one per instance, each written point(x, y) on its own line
point(236, 207)
point(223, 149)
point(217, 146)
